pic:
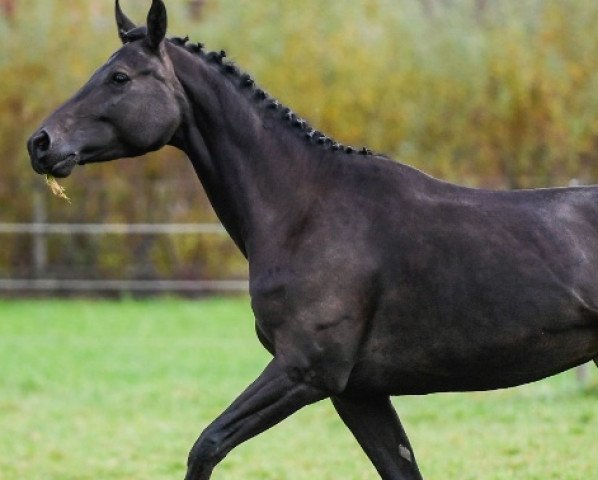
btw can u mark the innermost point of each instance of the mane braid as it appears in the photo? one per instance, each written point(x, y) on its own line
point(245, 82)
point(180, 41)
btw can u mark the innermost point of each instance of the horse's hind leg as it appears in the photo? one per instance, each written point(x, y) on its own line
point(377, 428)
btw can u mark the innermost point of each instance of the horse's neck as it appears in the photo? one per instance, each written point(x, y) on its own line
point(254, 179)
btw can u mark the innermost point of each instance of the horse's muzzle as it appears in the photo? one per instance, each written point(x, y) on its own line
point(44, 160)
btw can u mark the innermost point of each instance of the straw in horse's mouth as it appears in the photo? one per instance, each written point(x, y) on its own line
point(56, 188)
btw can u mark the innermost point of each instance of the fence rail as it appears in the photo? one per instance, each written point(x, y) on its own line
point(40, 230)
point(188, 286)
point(112, 228)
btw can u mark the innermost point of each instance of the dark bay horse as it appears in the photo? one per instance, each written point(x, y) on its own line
point(368, 278)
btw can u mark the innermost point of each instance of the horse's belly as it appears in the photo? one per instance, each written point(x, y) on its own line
point(462, 360)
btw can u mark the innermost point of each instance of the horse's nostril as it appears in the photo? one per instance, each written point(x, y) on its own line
point(41, 141)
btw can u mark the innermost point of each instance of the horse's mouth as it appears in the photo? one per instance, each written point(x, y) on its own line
point(63, 168)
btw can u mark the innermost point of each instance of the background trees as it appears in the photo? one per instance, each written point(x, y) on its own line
point(499, 94)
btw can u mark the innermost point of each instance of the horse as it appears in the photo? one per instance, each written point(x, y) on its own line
point(368, 278)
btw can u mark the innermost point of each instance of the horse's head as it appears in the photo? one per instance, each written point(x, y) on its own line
point(130, 106)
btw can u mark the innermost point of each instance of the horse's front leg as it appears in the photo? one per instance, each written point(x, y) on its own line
point(376, 426)
point(277, 393)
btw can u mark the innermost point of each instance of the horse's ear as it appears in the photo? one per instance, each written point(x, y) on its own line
point(157, 22)
point(123, 23)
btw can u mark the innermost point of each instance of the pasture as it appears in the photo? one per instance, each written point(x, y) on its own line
point(121, 389)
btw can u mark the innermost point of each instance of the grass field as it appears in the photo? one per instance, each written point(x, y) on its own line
point(120, 390)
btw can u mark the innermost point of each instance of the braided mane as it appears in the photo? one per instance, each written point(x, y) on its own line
point(244, 81)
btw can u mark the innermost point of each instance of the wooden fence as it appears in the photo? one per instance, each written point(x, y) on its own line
point(40, 232)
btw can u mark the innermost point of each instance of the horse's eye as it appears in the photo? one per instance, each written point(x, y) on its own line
point(120, 78)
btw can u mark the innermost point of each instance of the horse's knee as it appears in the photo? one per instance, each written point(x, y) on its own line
point(206, 452)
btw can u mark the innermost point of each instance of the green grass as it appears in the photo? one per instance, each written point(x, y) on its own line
point(120, 390)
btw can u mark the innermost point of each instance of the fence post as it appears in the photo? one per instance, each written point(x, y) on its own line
point(582, 373)
point(40, 241)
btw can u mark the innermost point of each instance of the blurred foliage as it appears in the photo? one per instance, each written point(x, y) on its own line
point(500, 94)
